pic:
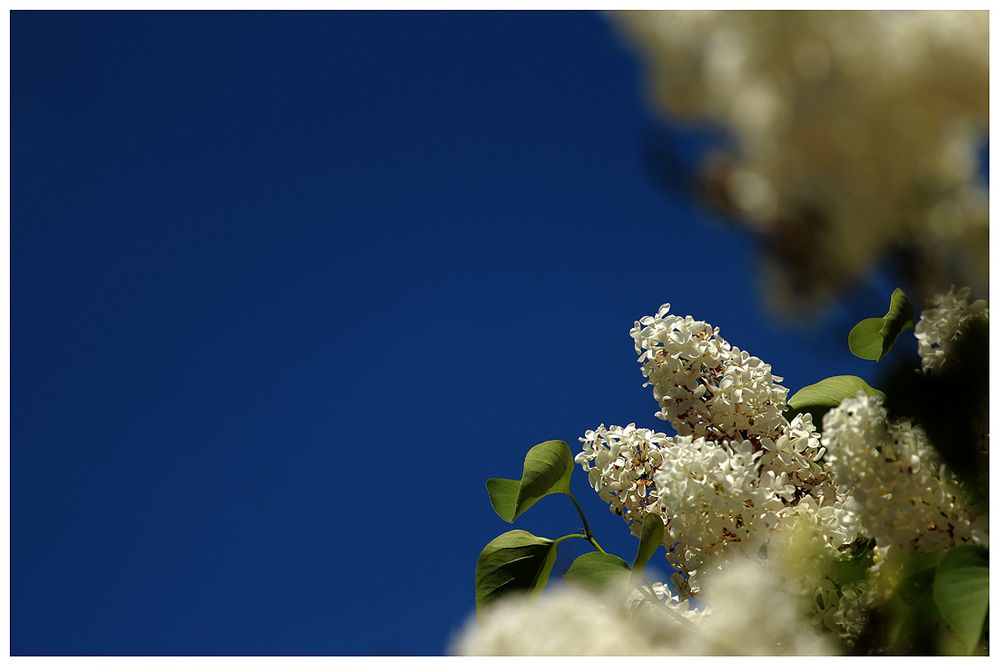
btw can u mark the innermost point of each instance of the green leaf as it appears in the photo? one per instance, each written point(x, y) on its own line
point(596, 570)
point(961, 591)
point(547, 471)
point(913, 589)
point(503, 497)
point(874, 337)
point(865, 339)
point(913, 620)
point(822, 396)
point(515, 561)
point(651, 539)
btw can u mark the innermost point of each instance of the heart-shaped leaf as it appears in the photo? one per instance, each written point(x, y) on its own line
point(822, 396)
point(596, 570)
point(547, 471)
point(515, 561)
point(651, 539)
point(961, 591)
point(874, 337)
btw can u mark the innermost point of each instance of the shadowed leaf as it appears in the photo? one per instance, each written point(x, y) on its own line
point(651, 539)
point(515, 561)
point(961, 591)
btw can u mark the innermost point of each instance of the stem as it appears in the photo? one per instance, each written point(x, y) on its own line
point(570, 536)
point(586, 526)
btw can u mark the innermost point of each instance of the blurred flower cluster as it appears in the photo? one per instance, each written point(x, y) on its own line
point(907, 498)
point(857, 137)
point(940, 326)
point(570, 620)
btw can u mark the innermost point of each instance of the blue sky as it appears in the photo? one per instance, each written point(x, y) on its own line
point(287, 288)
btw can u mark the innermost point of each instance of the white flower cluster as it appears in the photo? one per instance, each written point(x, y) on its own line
point(748, 615)
point(715, 503)
point(737, 472)
point(719, 500)
point(940, 325)
point(706, 387)
point(856, 132)
point(620, 463)
point(908, 499)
